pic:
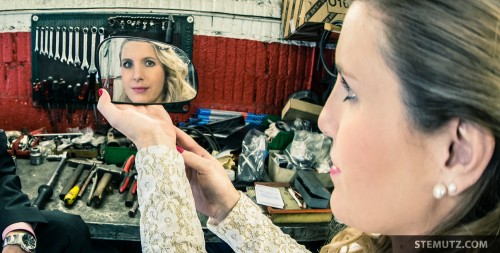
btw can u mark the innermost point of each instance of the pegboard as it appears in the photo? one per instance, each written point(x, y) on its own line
point(64, 50)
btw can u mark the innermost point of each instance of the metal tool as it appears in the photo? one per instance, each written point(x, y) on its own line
point(45, 50)
point(70, 49)
point(71, 196)
point(51, 40)
point(77, 46)
point(93, 68)
point(133, 211)
point(85, 63)
point(63, 57)
point(57, 56)
point(42, 40)
point(37, 33)
point(70, 182)
point(108, 175)
point(127, 173)
point(45, 191)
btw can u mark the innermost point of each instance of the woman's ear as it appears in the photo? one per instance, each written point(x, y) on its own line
point(470, 150)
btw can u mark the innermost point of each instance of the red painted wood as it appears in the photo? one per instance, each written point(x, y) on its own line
point(233, 74)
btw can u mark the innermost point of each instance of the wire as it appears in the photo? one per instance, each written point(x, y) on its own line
point(322, 45)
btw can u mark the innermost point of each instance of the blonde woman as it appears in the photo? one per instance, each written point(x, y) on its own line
point(153, 73)
point(415, 122)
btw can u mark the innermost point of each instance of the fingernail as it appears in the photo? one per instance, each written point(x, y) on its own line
point(100, 92)
point(179, 149)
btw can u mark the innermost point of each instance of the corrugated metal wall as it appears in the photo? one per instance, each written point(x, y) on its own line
point(234, 74)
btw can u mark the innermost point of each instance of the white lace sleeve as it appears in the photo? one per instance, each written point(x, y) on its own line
point(246, 229)
point(169, 222)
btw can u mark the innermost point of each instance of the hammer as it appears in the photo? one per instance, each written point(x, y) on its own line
point(106, 175)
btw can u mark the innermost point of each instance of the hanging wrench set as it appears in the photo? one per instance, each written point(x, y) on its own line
point(64, 53)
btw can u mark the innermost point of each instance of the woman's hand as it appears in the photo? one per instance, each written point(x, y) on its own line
point(144, 125)
point(213, 192)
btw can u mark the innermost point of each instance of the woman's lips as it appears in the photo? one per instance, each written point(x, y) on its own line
point(334, 171)
point(139, 89)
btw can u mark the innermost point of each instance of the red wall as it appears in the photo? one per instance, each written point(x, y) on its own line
point(234, 74)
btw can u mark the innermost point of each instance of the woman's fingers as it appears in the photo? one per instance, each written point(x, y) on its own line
point(198, 163)
point(187, 143)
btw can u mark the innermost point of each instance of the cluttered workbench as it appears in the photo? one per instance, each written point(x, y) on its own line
point(111, 221)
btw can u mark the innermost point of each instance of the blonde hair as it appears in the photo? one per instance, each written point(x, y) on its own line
point(447, 59)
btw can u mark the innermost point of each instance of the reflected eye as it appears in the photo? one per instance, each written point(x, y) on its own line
point(150, 63)
point(127, 64)
point(350, 93)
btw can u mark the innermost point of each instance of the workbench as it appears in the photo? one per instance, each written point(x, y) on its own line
point(110, 221)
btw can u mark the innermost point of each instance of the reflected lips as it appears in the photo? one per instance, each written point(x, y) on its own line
point(139, 89)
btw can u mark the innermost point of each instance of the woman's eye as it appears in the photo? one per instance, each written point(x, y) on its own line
point(150, 63)
point(350, 93)
point(127, 64)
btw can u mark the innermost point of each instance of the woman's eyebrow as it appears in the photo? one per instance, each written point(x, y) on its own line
point(343, 73)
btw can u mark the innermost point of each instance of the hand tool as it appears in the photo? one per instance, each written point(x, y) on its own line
point(131, 192)
point(45, 191)
point(85, 63)
point(77, 46)
point(70, 182)
point(94, 185)
point(42, 39)
point(81, 165)
point(87, 181)
point(108, 175)
point(92, 68)
point(127, 173)
point(57, 56)
point(70, 49)
point(71, 196)
point(133, 211)
point(51, 39)
point(63, 57)
point(45, 45)
point(36, 38)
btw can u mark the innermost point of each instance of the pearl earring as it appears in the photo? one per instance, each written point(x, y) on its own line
point(439, 191)
point(452, 188)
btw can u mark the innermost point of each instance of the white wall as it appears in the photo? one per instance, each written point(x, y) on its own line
point(246, 19)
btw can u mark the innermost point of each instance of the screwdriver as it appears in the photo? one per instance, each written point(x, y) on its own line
point(70, 197)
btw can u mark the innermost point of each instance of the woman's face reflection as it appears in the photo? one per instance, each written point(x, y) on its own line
point(142, 73)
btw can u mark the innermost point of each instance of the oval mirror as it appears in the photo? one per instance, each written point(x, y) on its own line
point(142, 71)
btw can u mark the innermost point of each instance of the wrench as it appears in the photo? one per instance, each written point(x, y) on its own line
point(101, 34)
point(42, 39)
point(58, 30)
point(46, 44)
point(85, 64)
point(63, 57)
point(36, 38)
point(77, 46)
point(70, 53)
point(92, 68)
point(51, 41)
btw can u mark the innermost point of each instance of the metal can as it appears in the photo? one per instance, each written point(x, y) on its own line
point(36, 157)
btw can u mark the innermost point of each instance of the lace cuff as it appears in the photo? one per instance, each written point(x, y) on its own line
point(246, 229)
point(169, 222)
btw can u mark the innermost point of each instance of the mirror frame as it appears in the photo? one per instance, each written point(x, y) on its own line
point(178, 107)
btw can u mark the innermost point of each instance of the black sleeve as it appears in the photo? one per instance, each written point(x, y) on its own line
point(14, 204)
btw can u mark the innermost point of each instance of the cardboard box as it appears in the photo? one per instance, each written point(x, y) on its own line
point(295, 108)
point(304, 19)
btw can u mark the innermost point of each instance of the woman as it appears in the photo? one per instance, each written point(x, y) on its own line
point(152, 73)
point(415, 121)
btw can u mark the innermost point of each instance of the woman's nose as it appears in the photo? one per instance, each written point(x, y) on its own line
point(138, 73)
point(328, 120)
